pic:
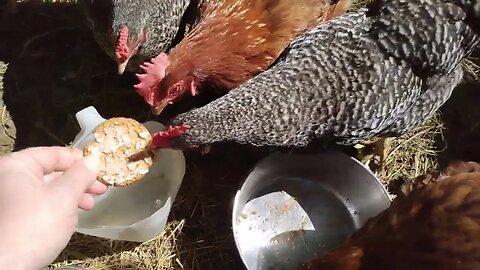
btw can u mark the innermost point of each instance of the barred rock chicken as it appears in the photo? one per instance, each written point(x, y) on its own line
point(132, 31)
point(434, 226)
point(233, 41)
point(377, 72)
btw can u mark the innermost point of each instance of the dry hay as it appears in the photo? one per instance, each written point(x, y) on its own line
point(356, 4)
point(7, 128)
point(472, 68)
point(407, 156)
point(7, 131)
point(412, 154)
point(55, 70)
point(160, 253)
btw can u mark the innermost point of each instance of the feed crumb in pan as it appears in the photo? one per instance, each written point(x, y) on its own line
point(115, 140)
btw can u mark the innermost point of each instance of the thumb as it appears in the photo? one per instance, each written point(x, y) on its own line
point(78, 178)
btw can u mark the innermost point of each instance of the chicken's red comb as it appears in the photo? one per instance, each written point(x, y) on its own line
point(162, 139)
point(154, 73)
point(122, 49)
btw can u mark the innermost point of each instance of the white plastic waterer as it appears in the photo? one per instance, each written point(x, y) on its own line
point(137, 212)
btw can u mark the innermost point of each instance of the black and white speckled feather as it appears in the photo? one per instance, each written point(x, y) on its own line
point(381, 71)
point(161, 19)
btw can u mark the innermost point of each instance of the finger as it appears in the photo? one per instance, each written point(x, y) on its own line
point(47, 159)
point(49, 177)
point(76, 180)
point(97, 188)
point(87, 202)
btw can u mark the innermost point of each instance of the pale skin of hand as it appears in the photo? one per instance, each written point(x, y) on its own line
point(41, 189)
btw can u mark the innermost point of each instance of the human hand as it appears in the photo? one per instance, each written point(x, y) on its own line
point(40, 191)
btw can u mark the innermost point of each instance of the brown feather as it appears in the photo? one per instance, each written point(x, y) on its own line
point(237, 39)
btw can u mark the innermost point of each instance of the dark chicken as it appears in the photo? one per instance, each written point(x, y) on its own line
point(233, 41)
point(132, 31)
point(378, 72)
point(433, 226)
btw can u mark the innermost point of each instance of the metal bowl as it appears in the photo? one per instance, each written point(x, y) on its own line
point(293, 207)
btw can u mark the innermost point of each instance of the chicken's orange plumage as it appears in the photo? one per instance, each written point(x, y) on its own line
point(233, 41)
point(434, 225)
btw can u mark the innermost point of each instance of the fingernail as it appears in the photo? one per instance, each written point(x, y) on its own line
point(92, 164)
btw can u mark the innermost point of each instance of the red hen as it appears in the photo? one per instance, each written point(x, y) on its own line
point(233, 41)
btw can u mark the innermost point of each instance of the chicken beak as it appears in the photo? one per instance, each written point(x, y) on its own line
point(158, 108)
point(122, 67)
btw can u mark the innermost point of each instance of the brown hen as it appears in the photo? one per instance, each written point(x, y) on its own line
point(233, 41)
point(433, 225)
